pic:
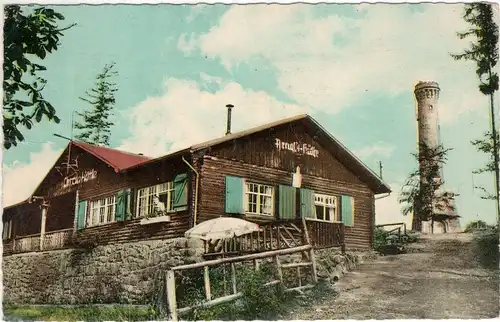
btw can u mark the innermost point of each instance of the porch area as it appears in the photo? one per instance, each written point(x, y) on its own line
point(52, 240)
point(279, 234)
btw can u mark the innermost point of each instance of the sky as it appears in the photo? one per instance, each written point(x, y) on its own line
point(352, 67)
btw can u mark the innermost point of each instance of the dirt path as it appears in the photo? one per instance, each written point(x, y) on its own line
point(441, 281)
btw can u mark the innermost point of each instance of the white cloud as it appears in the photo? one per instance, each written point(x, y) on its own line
point(387, 51)
point(187, 114)
point(388, 210)
point(380, 149)
point(21, 179)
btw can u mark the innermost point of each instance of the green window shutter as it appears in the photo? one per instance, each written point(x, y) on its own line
point(307, 209)
point(82, 209)
point(347, 208)
point(234, 195)
point(121, 206)
point(286, 203)
point(180, 191)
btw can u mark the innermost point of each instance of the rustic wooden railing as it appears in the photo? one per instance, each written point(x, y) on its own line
point(57, 239)
point(279, 235)
point(396, 234)
point(53, 240)
point(174, 311)
point(29, 243)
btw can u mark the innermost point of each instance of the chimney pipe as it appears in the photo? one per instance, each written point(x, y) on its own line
point(229, 108)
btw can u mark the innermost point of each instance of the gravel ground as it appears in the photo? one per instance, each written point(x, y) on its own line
point(439, 279)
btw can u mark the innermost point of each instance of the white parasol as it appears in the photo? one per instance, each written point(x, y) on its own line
point(221, 228)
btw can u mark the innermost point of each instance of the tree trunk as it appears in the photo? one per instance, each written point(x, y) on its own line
point(416, 223)
point(495, 154)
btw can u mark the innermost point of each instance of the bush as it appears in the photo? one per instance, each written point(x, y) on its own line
point(476, 225)
point(380, 239)
point(258, 301)
point(486, 243)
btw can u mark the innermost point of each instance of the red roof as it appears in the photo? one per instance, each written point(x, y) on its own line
point(117, 159)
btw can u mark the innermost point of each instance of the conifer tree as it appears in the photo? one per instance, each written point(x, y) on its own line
point(484, 52)
point(421, 193)
point(96, 125)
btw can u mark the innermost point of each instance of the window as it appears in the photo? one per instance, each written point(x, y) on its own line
point(7, 230)
point(158, 198)
point(259, 199)
point(101, 211)
point(326, 208)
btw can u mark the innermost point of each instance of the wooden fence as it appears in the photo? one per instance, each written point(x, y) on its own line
point(279, 235)
point(174, 311)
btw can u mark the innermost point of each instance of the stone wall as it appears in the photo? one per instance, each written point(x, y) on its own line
point(119, 273)
point(123, 273)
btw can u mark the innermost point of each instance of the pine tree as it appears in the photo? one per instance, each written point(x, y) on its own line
point(95, 128)
point(421, 193)
point(484, 51)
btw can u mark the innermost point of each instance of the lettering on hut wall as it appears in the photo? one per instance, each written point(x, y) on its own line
point(296, 147)
point(73, 180)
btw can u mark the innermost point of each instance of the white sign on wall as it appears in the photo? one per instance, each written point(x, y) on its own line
point(296, 147)
point(70, 181)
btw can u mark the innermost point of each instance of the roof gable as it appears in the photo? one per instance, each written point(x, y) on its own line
point(336, 148)
point(118, 160)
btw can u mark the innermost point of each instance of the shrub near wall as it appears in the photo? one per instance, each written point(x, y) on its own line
point(119, 273)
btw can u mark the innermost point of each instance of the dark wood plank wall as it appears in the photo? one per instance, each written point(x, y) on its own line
point(26, 219)
point(62, 208)
point(259, 149)
point(211, 202)
point(132, 230)
point(256, 157)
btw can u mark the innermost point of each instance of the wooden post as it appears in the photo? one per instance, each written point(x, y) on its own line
point(265, 240)
point(314, 270)
point(298, 276)
point(311, 252)
point(171, 298)
point(256, 264)
point(233, 277)
point(271, 236)
point(42, 230)
point(278, 268)
point(206, 276)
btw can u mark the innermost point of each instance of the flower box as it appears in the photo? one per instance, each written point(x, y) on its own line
point(154, 220)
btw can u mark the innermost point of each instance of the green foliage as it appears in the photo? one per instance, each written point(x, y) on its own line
point(420, 197)
point(380, 239)
point(28, 37)
point(486, 145)
point(258, 301)
point(486, 242)
point(81, 313)
point(484, 52)
point(476, 225)
point(95, 127)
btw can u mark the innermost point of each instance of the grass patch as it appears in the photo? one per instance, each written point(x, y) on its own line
point(79, 313)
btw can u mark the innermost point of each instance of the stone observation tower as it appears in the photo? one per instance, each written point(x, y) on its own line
point(427, 96)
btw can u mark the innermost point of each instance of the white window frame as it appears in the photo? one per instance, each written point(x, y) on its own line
point(144, 198)
point(100, 211)
point(7, 230)
point(327, 202)
point(261, 192)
